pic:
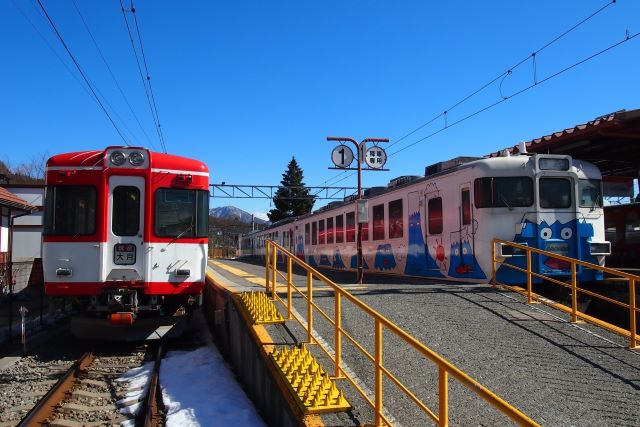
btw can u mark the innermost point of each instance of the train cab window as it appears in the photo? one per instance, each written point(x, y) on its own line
point(306, 234)
point(340, 229)
point(590, 193)
point(434, 207)
point(503, 192)
point(466, 206)
point(321, 233)
point(181, 213)
point(125, 212)
point(555, 193)
point(314, 233)
point(378, 222)
point(351, 226)
point(70, 210)
point(330, 230)
point(395, 219)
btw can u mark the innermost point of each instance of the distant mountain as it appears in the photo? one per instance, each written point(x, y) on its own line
point(230, 212)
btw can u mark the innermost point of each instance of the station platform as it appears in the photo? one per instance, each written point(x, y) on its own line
point(556, 372)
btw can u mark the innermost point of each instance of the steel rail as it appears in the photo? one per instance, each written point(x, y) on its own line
point(153, 406)
point(39, 414)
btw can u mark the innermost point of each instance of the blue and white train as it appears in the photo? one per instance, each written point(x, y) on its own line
point(441, 225)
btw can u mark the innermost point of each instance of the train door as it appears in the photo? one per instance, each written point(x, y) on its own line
point(434, 222)
point(125, 224)
point(463, 241)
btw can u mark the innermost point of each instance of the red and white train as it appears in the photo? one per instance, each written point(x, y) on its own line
point(125, 234)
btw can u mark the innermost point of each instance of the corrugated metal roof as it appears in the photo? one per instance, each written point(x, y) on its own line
point(8, 199)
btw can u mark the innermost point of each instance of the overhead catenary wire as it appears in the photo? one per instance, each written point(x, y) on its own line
point(501, 76)
point(113, 77)
point(146, 83)
point(82, 73)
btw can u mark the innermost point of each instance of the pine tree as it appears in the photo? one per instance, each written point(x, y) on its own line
point(290, 202)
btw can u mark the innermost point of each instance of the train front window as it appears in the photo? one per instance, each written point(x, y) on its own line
point(555, 193)
point(70, 210)
point(590, 191)
point(181, 213)
point(125, 211)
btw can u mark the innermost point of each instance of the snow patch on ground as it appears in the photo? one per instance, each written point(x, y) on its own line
point(137, 380)
point(199, 389)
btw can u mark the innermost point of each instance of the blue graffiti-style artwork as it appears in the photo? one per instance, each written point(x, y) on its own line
point(419, 261)
point(354, 262)
point(300, 248)
point(570, 239)
point(337, 261)
point(463, 263)
point(324, 261)
point(312, 261)
point(384, 258)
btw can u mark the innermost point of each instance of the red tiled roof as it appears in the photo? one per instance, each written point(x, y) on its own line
point(7, 198)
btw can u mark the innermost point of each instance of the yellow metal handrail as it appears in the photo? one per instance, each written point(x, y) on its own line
point(576, 314)
point(445, 369)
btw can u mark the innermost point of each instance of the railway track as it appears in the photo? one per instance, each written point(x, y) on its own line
point(104, 387)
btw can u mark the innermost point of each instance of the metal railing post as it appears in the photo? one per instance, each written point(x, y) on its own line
point(289, 278)
point(493, 263)
point(378, 373)
point(574, 294)
point(338, 337)
point(267, 262)
point(274, 270)
point(633, 343)
point(443, 397)
point(310, 307)
point(529, 281)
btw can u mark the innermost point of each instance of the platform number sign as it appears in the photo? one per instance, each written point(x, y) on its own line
point(342, 156)
point(375, 157)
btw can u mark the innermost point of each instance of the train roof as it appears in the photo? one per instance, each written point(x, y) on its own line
point(95, 158)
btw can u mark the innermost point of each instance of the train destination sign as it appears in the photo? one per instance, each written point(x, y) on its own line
point(342, 156)
point(375, 157)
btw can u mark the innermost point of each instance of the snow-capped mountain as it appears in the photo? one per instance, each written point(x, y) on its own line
point(229, 212)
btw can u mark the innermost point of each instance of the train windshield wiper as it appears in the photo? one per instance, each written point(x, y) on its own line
point(182, 233)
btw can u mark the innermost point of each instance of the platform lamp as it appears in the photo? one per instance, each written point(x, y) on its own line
point(375, 158)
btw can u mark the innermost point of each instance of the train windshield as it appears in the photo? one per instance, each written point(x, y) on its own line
point(181, 213)
point(590, 192)
point(70, 210)
point(555, 193)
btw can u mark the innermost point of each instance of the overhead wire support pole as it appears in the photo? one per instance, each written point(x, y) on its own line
point(360, 147)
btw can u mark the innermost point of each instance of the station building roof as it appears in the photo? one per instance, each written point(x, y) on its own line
point(611, 142)
point(10, 200)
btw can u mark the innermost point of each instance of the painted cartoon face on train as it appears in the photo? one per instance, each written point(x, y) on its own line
point(384, 258)
point(463, 263)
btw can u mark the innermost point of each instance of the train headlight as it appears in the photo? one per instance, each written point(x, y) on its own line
point(600, 248)
point(136, 158)
point(118, 158)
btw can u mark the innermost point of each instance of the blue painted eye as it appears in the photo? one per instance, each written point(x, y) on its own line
point(464, 250)
point(456, 251)
point(546, 233)
point(566, 233)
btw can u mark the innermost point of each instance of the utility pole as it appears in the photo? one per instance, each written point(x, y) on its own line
point(375, 157)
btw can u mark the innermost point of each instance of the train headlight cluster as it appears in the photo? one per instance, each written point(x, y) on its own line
point(118, 158)
point(136, 158)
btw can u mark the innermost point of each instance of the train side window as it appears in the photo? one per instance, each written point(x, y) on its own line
point(395, 219)
point(321, 232)
point(351, 226)
point(435, 215)
point(503, 192)
point(330, 230)
point(306, 234)
point(340, 229)
point(466, 206)
point(555, 193)
point(125, 212)
point(70, 210)
point(365, 231)
point(378, 222)
point(590, 192)
point(314, 233)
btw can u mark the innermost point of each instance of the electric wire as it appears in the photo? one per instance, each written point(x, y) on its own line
point(146, 69)
point(144, 84)
point(82, 73)
point(113, 77)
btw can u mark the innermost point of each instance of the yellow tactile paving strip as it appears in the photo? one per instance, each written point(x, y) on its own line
point(259, 308)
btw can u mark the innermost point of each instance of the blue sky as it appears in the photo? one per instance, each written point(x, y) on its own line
point(245, 85)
